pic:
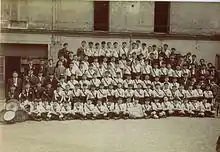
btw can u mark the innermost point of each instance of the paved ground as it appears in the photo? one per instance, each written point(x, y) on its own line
point(165, 135)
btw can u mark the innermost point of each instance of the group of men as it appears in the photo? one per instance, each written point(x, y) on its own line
point(112, 82)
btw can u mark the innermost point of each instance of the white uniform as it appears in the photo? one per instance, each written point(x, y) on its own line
point(120, 108)
point(126, 82)
point(96, 82)
point(89, 108)
point(106, 81)
point(158, 93)
point(109, 106)
point(129, 93)
point(163, 71)
point(146, 69)
point(78, 108)
point(136, 82)
point(119, 93)
point(155, 72)
point(72, 83)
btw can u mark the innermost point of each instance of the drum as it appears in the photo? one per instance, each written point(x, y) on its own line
point(9, 117)
point(21, 116)
point(2, 112)
point(12, 105)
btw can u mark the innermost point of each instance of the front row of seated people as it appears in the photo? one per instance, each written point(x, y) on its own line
point(117, 103)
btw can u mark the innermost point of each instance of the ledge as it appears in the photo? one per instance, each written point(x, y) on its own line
point(136, 35)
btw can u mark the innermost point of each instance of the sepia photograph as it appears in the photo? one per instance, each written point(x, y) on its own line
point(109, 76)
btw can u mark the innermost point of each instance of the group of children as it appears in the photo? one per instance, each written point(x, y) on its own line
point(120, 83)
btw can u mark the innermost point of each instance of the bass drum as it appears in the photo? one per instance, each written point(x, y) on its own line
point(13, 105)
point(2, 112)
point(21, 116)
point(9, 117)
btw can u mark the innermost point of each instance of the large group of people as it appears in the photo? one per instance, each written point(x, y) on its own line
point(108, 81)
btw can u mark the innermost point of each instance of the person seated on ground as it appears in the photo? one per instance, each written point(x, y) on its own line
point(92, 94)
point(168, 106)
point(110, 108)
point(66, 111)
point(147, 109)
point(120, 110)
point(79, 110)
point(100, 111)
point(208, 108)
point(89, 109)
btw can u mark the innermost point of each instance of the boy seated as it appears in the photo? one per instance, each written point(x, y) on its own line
point(100, 111)
point(89, 110)
point(120, 110)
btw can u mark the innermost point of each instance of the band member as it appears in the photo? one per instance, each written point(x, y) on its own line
point(117, 70)
point(146, 68)
point(76, 94)
point(166, 81)
point(127, 68)
point(111, 93)
point(95, 81)
point(146, 81)
point(157, 92)
point(84, 93)
point(102, 93)
point(137, 80)
point(168, 106)
point(174, 83)
point(72, 81)
point(71, 70)
point(155, 72)
point(170, 71)
point(179, 108)
point(32, 78)
point(198, 92)
point(27, 93)
point(92, 94)
point(119, 92)
point(106, 80)
point(84, 80)
point(41, 68)
point(118, 79)
point(208, 108)
point(80, 71)
point(41, 78)
point(178, 72)
point(154, 112)
point(37, 111)
point(89, 51)
point(89, 110)
point(136, 111)
point(12, 93)
point(67, 94)
point(100, 111)
point(120, 110)
point(110, 108)
point(139, 94)
point(167, 91)
point(190, 93)
point(78, 110)
point(147, 109)
point(135, 67)
point(51, 79)
point(62, 82)
point(129, 92)
point(59, 94)
point(127, 81)
point(38, 92)
point(208, 94)
point(48, 93)
point(123, 50)
point(156, 81)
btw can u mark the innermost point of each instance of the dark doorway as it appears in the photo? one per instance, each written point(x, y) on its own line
point(161, 17)
point(12, 63)
point(101, 15)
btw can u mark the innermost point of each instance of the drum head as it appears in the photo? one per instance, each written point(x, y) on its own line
point(21, 116)
point(9, 116)
point(12, 105)
point(2, 112)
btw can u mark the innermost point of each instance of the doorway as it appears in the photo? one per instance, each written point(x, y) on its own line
point(12, 63)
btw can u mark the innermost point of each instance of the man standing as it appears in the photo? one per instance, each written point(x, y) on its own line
point(15, 81)
point(64, 51)
point(81, 51)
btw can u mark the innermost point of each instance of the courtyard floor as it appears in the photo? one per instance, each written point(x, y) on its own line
point(164, 135)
